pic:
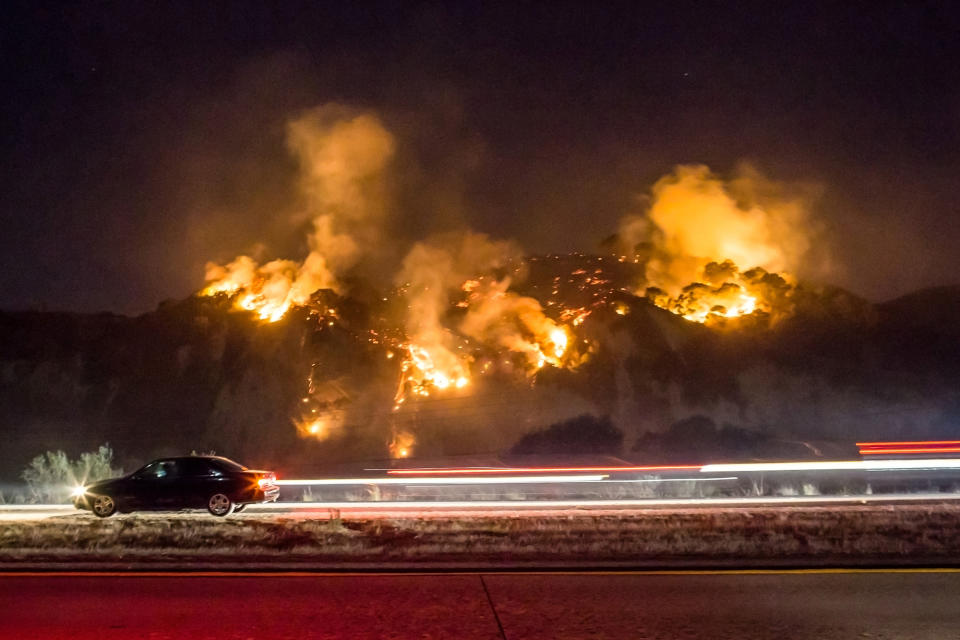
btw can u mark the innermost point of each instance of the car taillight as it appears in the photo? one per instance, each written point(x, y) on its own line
point(267, 480)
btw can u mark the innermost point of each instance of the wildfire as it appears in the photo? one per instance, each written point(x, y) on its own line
point(318, 427)
point(724, 292)
point(501, 318)
point(469, 307)
point(420, 373)
point(700, 229)
point(268, 290)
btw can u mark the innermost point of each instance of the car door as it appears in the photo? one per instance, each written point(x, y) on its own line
point(147, 484)
point(200, 480)
point(167, 486)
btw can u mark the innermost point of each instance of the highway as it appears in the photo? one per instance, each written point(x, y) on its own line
point(799, 605)
point(459, 508)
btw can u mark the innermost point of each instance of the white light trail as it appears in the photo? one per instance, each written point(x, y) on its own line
point(435, 481)
point(839, 465)
point(659, 480)
point(493, 505)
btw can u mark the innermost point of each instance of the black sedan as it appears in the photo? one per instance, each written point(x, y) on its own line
point(218, 484)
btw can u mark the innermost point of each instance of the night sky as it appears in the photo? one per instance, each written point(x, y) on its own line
point(140, 140)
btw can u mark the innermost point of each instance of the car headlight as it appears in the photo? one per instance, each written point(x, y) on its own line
point(78, 492)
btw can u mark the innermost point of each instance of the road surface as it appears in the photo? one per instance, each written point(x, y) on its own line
point(440, 509)
point(821, 605)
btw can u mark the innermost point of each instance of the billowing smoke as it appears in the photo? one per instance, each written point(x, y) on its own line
point(431, 272)
point(517, 323)
point(710, 245)
point(343, 160)
point(710, 249)
point(343, 157)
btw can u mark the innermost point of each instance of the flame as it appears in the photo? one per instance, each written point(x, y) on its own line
point(698, 232)
point(501, 318)
point(559, 338)
point(270, 290)
point(723, 292)
point(401, 445)
point(343, 157)
point(420, 373)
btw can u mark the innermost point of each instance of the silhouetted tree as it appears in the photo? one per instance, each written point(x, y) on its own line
point(583, 434)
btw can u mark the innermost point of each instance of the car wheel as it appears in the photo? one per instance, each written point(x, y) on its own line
point(104, 506)
point(239, 508)
point(220, 505)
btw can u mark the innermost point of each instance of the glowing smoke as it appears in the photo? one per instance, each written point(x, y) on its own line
point(431, 272)
point(712, 248)
point(343, 157)
point(500, 317)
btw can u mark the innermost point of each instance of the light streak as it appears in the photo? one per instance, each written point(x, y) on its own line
point(873, 452)
point(909, 447)
point(493, 470)
point(908, 443)
point(432, 481)
point(840, 465)
point(478, 506)
point(659, 480)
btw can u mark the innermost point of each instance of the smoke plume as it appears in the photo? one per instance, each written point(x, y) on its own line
point(707, 243)
point(343, 158)
point(431, 272)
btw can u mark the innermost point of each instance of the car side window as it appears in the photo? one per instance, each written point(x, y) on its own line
point(151, 472)
point(166, 469)
point(199, 467)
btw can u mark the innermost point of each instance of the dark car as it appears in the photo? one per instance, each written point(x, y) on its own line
point(218, 484)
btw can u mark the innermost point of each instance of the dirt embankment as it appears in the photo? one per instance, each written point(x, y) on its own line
point(755, 536)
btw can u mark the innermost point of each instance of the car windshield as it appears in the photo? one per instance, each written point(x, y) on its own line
point(227, 465)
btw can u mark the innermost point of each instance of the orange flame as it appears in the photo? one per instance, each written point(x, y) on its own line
point(401, 445)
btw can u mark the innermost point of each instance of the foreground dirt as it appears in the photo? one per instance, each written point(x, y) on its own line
point(903, 534)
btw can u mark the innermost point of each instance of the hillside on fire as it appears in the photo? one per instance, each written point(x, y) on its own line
point(335, 381)
point(701, 328)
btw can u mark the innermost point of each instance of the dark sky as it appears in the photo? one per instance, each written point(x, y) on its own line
point(141, 139)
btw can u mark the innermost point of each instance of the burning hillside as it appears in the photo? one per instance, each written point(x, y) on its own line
point(462, 305)
point(201, 374)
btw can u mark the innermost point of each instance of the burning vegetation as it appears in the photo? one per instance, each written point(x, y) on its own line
point(712, 250)
point(464, 305)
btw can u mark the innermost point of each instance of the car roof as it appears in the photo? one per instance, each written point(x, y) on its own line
point(192, 458)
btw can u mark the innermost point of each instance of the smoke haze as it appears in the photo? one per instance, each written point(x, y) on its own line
point(168, 126)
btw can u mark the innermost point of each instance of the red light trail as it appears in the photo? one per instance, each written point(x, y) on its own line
point(481, 471)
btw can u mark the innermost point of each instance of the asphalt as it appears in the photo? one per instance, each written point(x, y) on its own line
point(529, 508)
point(822, 605)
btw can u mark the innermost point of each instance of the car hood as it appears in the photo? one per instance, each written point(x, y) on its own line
point(105, 485)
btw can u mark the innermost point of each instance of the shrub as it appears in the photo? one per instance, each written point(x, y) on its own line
point(51, 476)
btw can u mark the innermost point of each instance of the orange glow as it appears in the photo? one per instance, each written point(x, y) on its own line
point(424, 370)
point(401, 446)
point(433, 472)
point(319, 428)
point(716, 248)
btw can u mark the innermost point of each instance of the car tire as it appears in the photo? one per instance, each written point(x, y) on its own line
point(220, 505)
point(103, 506)
point(239, 508)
